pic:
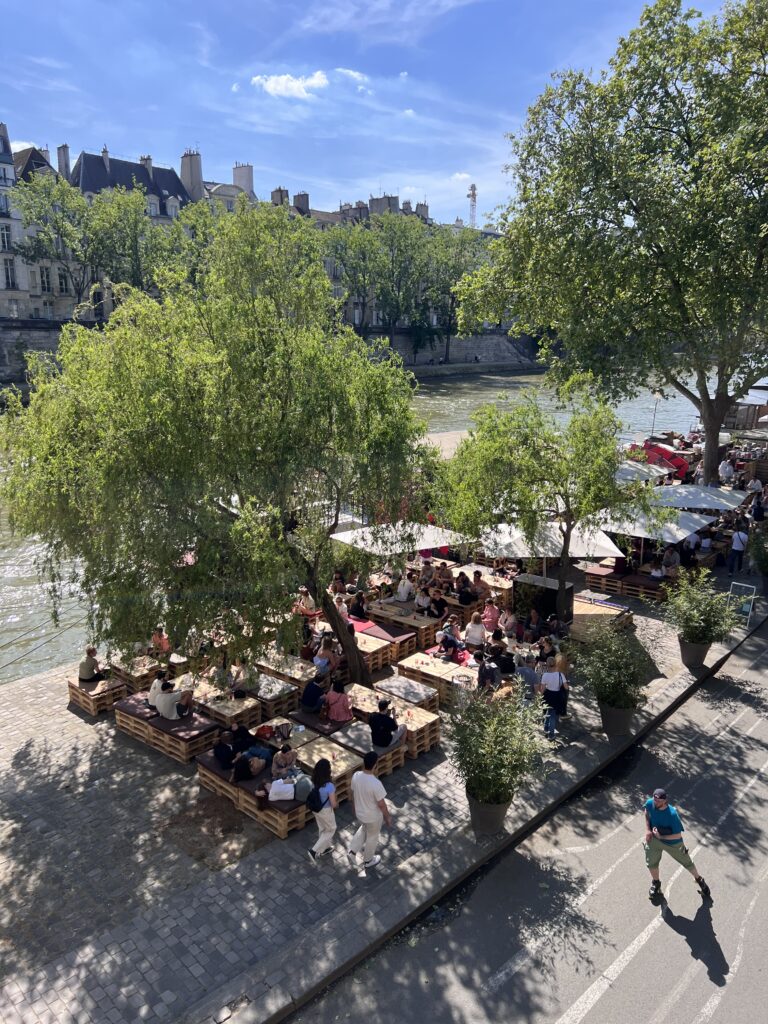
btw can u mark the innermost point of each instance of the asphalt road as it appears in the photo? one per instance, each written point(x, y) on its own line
point(560, 930)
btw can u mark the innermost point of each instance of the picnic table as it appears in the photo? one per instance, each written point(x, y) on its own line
point(344, 763)
point(502, 585)
point(300, 734)
point(410, 691)
point(137, 673)
point(448, 678)
point(422, 726)
point(403, 615)
point(288, 667)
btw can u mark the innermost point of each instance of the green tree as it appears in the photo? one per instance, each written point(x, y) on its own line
point(520, 466)
point(451, 255)
point(58, 217)
point(402, 241)
point(356, 252)
point(636, 240)
point(126, 245)
point(193, 457)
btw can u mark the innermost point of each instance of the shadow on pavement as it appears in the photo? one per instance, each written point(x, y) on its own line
point(700, 935)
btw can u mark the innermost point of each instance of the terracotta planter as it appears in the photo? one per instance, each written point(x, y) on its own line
point(487, 819)
point(616, 721)
point(693, 655)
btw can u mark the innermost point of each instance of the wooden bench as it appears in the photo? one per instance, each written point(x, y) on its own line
point(644, 588)
point(356, 736)
point(280, 817)
point(182, 739)
point(403, 641)
point(311, 721)
point(225, 711)
point(93, 698)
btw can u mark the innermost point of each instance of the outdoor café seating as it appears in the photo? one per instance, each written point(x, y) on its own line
point(182, 739)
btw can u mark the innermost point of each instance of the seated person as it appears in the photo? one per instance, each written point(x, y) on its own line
point(161, 643)
point(480, 588)
point(326, 661)
point(556, 628)
point(423, 601)
point(533, 627)
point(305, 603)
point(246, 768)
point(449, 645)
point(496, 647)
point(508, 623)
point(337, 702)
point(224, 750)
point(242, 738)
point(353, 581)
point(89, 670)
point(546, 650)
point(464, 590)
point(173, 704)
point(438, 606)
point(706, 541)
point(160, 677)
point(385, 732)
point(427, 575)
point(657, 569)
point(443, 574)
point(491, 614)
point(406, 590)
point(474, 634)
point(488, 673)
point(239, 675)
point(284, 763)
point(338, 585)
point(453, 626)
point(313, 698)
point(358, 608)
point(341, 607)
point(671, 560)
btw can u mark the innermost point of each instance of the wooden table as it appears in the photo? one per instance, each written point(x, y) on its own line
point(93, 698)
point(136, 673)
point(276, 696)
point(502, 585)
point(300, 734)
point(422, 726)
point(226, 710)
point(588, 614)
point(344, 763)
point(442, 675)
point(356, 736)
point(178, 664)
point(288, 667)
point(423, 626)
point(410, 691)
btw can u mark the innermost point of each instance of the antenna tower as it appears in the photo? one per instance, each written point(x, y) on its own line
point(472, 197)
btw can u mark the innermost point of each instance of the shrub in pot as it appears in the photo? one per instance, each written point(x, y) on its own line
point(495, 745)
point(757, 551)
point(614, 663)
point(701, 615)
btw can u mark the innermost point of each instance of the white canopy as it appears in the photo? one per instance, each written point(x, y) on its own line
point(682, 526)
point(630, 471)
point(507, 541)
point(715, 499)
point(398, 538)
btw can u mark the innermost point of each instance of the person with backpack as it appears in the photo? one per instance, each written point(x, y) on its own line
point(322, 802)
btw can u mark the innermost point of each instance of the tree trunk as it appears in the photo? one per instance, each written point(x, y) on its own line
point(562, 576)
point(447, 352)
point(712, 416)
point(358, 670)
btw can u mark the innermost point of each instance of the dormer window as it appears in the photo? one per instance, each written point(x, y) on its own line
point(153, 208)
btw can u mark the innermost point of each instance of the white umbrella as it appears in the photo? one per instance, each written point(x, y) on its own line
point(680, 527)
point(630, 471)
point(507, 541)
point(714, 499)
point(398, 538)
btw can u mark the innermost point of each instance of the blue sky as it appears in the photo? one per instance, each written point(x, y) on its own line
point(340, 98)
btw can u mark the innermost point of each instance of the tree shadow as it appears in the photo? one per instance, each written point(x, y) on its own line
point(700, 935)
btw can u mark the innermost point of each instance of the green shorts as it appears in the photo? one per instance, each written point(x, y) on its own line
point(677, 851)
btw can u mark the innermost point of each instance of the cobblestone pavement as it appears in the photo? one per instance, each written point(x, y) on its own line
point(127, 892)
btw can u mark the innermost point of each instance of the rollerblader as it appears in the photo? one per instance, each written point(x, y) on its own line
point(664, 832)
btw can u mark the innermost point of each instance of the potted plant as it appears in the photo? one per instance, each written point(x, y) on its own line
point(700, 614)
point(614, 665)
point(757, 550)
point(495, 745)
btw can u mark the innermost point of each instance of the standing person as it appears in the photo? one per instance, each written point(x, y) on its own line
point(527, 673)
point(370, 808)
point(327, 802)
point(739, 543)
point(553, 687)
point(664, 832)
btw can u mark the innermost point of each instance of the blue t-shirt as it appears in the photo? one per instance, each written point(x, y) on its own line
point(325, 794)
point(667, 821)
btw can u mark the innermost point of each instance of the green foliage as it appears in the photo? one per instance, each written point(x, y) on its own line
point(613, 663)
point(636, 239)
point(699, 613)
point(758, 551)
point(496, 745)
point(126, 246)
point(451, 254)
point(166, 455)
point(356, 253)
point(402, 262)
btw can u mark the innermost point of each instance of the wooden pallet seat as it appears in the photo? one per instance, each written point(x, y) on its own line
point(312, 721)
point(93, 698)
point(183, 738)
point(356, 736)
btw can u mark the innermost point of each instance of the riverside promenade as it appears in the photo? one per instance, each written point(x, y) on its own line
point(130, 894)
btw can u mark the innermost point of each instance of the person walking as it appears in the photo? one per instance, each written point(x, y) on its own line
point(370, 808)
point(739, 543)
point(664, 833)
point(327, 801)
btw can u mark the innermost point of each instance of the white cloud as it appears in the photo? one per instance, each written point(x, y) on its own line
point(19, 144)
point(460, 176)
point(401, 20)
point(356, 76)
point(297, 87)
point(49, 62)
point(235, 87)
point(409, 113)
point(403, 74)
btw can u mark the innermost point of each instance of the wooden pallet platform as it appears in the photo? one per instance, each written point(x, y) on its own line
point(444, 676)
point(641, 588)
point(93, 698)
point(245, 711)
point(137, 674)
point(587, 614)
point(377, 653)
point(182, 739)
point(278, 820)
point(277, 699)
point(410, 691)
point(344, 763)
point(356, 736)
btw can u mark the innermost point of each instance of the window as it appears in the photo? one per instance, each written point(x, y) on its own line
point(63, 282)
point(13, 308)
point(4, 205)
point(33, 280)
point(10, 272)
point(47, 309)
point(358, 317)
point(35, 312)
point(5, 237)
point(45, 279)
point(152, 208)
point(6, 176)
point(230, 205)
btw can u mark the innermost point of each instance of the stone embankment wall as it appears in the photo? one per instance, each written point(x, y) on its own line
point(17, 337)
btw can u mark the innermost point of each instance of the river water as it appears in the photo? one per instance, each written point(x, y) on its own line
point(29, 640)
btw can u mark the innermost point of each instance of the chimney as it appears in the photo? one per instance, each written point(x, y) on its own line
point(422, 210)
point(105, 157)
point(242, 176)
point(46, 153)
point(62, 157)
point(279, 196)
point(301, 202)
point(407, 208)
point(146, 161)
point(192, 174)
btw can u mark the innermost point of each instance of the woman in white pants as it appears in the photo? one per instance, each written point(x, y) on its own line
point(325, 817)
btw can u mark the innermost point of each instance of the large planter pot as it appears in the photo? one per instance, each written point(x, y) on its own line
point(616, 721)
point(487, 819)
point(693, 655)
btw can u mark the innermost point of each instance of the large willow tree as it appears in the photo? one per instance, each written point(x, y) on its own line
point(192, 459)
point(636, 239)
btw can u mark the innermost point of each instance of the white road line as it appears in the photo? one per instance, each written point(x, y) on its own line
point(714, 1000)
point(579, 1010)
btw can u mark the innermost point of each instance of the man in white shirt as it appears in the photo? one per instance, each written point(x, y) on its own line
point(168, 702)
point(156, 688)
point(755, 485)
point(405, 589)
point(725, 472)
point(370, 809)
point(739, 543)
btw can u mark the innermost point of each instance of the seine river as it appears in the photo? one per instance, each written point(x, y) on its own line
point(30, 642)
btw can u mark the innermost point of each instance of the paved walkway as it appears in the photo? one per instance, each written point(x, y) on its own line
point(130, 894)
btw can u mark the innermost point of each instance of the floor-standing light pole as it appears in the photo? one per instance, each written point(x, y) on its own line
point(658, 396)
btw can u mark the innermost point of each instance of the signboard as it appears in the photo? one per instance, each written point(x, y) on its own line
point(741, 597)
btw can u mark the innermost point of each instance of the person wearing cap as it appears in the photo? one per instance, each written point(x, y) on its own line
point(664, 833)
point(385, 732)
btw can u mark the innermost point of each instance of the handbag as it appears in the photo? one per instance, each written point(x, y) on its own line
point(265, 732)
